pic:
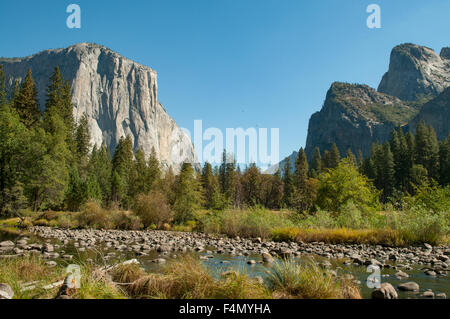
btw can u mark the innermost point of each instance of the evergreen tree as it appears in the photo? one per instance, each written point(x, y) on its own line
point(316, 164)
point(335, 157)
point(59, 101)
point(188, 195)
point(301, 171)
point(288, 183)
point(251, 185)
point(444, 162)
point(122, 165)
point(100, 166)
point(27, 104)
point(326, 160)
point(83, 144)
point(350, 156)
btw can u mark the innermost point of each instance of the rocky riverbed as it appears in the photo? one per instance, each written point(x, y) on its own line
point(158, 246)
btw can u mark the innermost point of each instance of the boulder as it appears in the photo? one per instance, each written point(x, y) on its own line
point(386, 291)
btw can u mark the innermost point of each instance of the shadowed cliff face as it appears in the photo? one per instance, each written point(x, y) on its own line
point(354, 116)
point(435, 113)
point(416, 71)
point(119, 97)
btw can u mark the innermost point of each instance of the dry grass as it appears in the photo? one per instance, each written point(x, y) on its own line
point(289, 280)
point(340, 236)
point(127, 273)
point(187, 278)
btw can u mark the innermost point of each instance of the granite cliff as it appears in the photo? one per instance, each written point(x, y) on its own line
point(119, 97)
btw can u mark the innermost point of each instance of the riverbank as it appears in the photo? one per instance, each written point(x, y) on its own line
point(157, 248)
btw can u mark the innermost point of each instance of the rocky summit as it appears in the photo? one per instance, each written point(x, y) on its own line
point(415, 88)
point(416, 71)
point(354, 116)
point(119, 97)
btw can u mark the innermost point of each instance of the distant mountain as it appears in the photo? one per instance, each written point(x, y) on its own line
point(273, 169)
point(119, 97)
point(416, 87)
point(354, 116)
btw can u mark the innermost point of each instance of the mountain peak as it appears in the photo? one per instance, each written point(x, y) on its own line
point(415, 71)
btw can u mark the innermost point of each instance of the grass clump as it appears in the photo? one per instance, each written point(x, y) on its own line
point(127, 273)
point(289, 280)
point(187, 278)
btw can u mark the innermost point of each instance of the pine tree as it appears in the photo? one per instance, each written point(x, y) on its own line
point(27, 104)
point(251, 185)
point(122, 164)
point(335, 157)
point(444, 162)
point(427, 149)
point(188, 195)
point(3, 92)
point(316, 164)
point(83, 144)
point(326, 160)
point(100, 166)
point(288, 183)
point(350, 156)
point(59, 100)
point(301, 171)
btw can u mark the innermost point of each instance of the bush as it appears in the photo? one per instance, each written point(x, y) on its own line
point(343, 184)
point(94, 216)
point(125, 221)
point(153, 208)
point(41, 222)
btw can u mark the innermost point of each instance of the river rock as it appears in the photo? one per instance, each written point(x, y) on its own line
point(401, 275)
point(386, 291)
point(6, 292)
point(7, 243)
point(409, 286)
point(267, 258)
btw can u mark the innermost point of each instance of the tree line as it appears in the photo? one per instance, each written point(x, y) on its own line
point(47, 162)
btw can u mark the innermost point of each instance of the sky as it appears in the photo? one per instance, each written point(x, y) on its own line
point(236, 63)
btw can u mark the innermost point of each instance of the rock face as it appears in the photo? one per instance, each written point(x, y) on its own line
point(435, 113)
point(354, 116)
point(415, 71)
point(119, 97)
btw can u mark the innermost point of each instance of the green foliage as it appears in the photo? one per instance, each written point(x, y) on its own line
point(188, 195)
point(26, 104)
point(343, 184)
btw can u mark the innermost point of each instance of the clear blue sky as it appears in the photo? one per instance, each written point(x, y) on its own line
point(237, 63)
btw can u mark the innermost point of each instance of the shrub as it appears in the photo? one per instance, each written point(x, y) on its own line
point(125, 221)
point(343, 184)
point(153, 208)
point(94, 216)
point(41, 222)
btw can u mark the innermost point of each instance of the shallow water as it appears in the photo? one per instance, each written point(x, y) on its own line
point(218, 264)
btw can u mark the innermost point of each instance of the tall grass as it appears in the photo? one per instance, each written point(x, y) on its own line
point(288, 279)
point(253, 222)
point(187, 278)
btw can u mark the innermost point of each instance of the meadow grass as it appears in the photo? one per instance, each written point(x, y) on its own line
point(290, 280)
